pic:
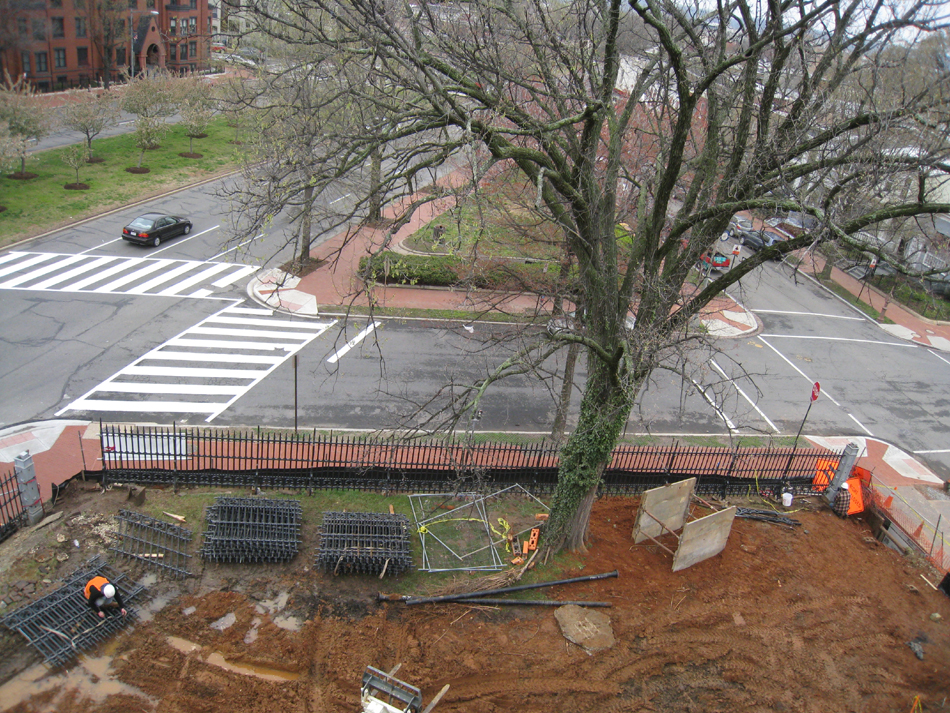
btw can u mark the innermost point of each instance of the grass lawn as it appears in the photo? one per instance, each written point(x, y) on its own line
point(41, 204)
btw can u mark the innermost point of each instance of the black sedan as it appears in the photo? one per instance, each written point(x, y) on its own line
point(153, 228)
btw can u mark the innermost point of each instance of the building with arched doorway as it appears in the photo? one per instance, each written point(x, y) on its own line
point(58, 44)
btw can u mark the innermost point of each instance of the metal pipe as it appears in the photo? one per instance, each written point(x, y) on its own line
point(533, 602)
point(503, 590)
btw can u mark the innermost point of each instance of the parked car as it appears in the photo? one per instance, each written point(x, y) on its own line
point(737, 225)
point(938, 284)
point(154, 228)
point(715, 261)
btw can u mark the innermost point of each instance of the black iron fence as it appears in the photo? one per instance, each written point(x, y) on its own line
point(11, 506)
point(206, 457)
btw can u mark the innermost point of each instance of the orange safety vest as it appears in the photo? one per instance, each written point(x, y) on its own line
point(97, 582)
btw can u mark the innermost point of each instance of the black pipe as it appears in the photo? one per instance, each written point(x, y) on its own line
point(506, 590)
point(533, 602)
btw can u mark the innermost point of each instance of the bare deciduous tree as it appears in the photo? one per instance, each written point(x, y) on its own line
point(706, 111)
point(24, 117)
point(90, 114)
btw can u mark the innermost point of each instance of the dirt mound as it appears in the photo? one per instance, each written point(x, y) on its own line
point(814, 618)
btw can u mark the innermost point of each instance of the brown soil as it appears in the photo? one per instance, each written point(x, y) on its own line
point(191, 155)
point(298, 269)
point(76, 186)
point(816, 618)
point(197, 136)
point(24, 176)
point(95, 159)
point(138, 169)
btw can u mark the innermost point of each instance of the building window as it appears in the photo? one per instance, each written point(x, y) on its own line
point(21, 27)
point(149, 4)
point(39, 29)
point(194, 4)
point(25, 60)
point(79, 4)
point(133, 4)
point(55, 3)
point(59, 26)
point(171, 26)
point(193, 25)
point(193, 49)
point(80, 27)
point(120, 56)
point(184, 51)
point(42, 62)
point(82, 56)
point(172, 52)
point(59, 58)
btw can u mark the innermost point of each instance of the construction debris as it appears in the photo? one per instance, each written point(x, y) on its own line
point(158, 544)
point(590, 630)
point(766, 516)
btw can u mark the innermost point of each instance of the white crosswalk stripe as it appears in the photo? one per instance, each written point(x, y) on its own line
point(57, 272)
point(192, 374)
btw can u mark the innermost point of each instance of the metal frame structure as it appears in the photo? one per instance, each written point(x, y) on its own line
point(154, 543)
point(249, 530)
point(489, 544)
point(364, 543)
point(61, 624)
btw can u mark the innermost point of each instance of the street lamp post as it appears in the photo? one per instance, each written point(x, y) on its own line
point(132, 11)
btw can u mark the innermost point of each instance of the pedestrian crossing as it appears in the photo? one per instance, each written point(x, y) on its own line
point(207, 367)
point(58, 272)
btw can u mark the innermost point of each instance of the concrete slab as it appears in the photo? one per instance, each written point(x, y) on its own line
point(588, 628)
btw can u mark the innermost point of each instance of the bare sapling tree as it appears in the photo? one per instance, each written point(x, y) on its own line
point(668, 117)
point(90, 114)
point(151, 98)
point(26, 119)
point(11, 147)
point(196, 106)
point(75, 157)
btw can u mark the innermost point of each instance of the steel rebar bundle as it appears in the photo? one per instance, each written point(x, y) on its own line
point(364, 543)
point(250, 530)
point(61, 624)
point(155, 543)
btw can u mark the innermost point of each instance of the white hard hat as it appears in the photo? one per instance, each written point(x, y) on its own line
point(108, 591)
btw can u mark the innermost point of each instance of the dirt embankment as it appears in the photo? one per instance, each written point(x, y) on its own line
point(812, 619)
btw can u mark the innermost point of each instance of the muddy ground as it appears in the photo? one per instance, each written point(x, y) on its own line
point(815, 618)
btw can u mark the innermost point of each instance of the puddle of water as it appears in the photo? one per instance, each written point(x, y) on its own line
point(251, 636)
point(149, 579)
point(152, 608)
point(290, 623)
point(92, 677)
point(263, 672)
point(271, 606)
point(224, 622)
point(183, 645)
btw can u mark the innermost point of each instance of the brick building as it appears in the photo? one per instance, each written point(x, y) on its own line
point(66, 43)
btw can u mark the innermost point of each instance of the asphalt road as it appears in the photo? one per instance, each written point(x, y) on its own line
point(94, 327)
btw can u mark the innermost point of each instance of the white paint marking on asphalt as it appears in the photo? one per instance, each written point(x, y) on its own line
point(843, 339)
point(29, 262)
point(191, 389)
point(945, 361)
point(203, 292)
point(205, 274)
point(164, 277)
point(861, 425)
point(147, 269)
point(239, 245)
point(182, 239)
point(353, 342)
point(91, 266)
point(719, 412)
point(937, 451)
point(743, 395)
point(45, 270)
point(808, 314)
point(235, 276)
point(824, 390)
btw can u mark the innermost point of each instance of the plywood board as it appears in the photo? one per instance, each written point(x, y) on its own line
point(669, 504)
point(704, 538)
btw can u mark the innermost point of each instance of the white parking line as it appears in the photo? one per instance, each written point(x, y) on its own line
point(719, 412)
point(943, 450)
point(824, 391)
point(945, 361)
point(183, 240)
point(353, 342)
point(808, 314)
point(842, 339)
point(861, 425)
point(743, 395)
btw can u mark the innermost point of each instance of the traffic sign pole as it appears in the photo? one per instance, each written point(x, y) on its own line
point(815, 391)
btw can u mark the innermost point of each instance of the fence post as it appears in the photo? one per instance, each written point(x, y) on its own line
point(29, 489)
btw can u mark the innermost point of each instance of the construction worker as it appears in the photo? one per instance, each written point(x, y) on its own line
point(102, 594)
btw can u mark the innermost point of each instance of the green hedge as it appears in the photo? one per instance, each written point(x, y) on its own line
point(448, 270)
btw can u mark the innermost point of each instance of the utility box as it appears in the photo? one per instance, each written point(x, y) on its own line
point(29, 488)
